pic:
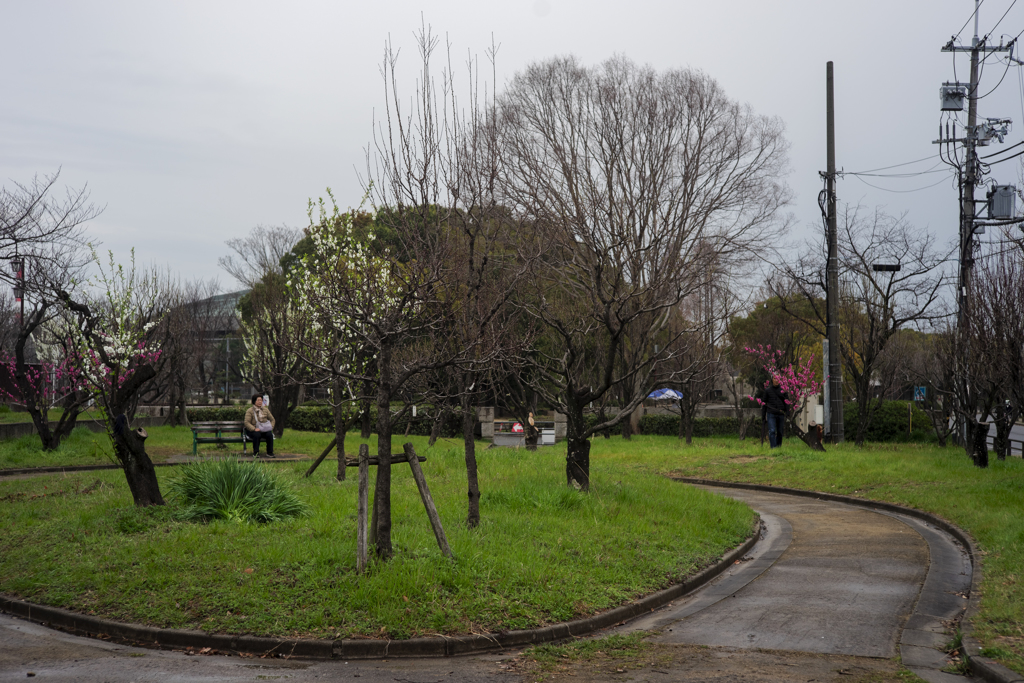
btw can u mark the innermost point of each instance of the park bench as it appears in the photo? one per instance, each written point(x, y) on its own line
point(231, 431)
point(227, 431)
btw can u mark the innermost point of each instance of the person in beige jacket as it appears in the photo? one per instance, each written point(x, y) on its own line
point(259, 425)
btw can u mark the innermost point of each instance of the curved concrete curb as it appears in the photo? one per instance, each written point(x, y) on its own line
point(138, 634)
point(12, 471)
point(984, 668)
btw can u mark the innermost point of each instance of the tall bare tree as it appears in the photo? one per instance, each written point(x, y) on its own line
point(990, 350)
point(635, 179)
point(269, 322)
point(874, 304)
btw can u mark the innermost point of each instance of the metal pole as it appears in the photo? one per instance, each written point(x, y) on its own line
point(835, 368)
point(227, 368)
point(967, 216)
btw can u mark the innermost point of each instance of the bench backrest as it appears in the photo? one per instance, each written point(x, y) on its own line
point(225, 426)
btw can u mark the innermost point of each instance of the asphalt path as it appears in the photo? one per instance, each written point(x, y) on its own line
point(830, 588)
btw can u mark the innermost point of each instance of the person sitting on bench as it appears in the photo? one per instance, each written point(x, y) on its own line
point(259, 425)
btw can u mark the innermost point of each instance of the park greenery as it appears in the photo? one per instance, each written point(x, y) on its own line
point(570, 243)
point(592, 551)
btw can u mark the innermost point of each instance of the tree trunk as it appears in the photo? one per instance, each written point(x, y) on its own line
point(577, 458)
point(1001, 442)
point(382, 492)
point(439, 420)
point(811, 440)
point(130, 450)
point(627, 429)
point(601, 418)
point(340, 426)
point(283, 402)
point(468, 438)
point(979, 442)
point(365, 425)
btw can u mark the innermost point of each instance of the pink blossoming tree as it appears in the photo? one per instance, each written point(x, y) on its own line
point(796, 380)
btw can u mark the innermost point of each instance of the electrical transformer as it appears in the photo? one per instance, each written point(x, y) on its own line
point(951, 98)
point(1002, 202)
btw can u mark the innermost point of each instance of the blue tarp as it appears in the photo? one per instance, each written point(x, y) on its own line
point(665, 395)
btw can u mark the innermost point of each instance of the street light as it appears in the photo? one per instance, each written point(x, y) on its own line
point(885, 267)
point(18, 267)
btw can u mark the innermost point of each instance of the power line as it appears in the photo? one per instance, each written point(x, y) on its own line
point(885, 189)
point(1000, 18)
point(886, 168)
point(969, 19)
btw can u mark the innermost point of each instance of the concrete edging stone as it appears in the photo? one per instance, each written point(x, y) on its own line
point(151, 636)
point(982, 667)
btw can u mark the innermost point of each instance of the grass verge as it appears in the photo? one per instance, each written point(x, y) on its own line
point(542, 554)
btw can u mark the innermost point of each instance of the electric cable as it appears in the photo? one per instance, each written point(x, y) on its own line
point(1010, 158)
point(886, 168)
point(1000, 18)
point(885, 189)
point(968, 20)
point(933, 169)
point(1002, 151)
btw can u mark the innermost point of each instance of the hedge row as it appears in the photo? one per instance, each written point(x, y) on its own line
point(668, 425)
point(889, 423)
point(321, 419)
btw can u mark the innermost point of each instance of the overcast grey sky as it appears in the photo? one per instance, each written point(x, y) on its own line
point(193, 122)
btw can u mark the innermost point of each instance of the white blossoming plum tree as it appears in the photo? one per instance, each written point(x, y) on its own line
point(115, 338)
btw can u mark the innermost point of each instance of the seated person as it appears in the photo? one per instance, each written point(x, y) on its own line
point(259, 426)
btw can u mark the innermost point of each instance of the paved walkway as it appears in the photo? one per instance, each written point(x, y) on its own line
point(830, 589)
point(830, 578)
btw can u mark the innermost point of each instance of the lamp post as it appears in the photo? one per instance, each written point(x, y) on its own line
point(18, 266)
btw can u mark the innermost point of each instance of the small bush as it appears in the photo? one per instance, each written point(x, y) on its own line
point(228, 489)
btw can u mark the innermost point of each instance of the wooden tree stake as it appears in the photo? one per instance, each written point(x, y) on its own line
point(330, 447)
point(428, 501)
point(364, 493)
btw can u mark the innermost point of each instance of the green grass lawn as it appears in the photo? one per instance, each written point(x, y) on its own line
point(543, 553)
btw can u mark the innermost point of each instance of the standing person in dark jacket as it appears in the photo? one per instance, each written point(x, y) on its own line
point(774, 407)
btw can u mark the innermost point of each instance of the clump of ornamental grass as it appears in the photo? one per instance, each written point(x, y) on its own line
point(235, 491)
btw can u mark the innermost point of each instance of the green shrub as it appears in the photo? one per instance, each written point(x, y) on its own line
point(308, 418)
point(668, 425)
point(228, 489)
point(889, 423)
point(217, 414)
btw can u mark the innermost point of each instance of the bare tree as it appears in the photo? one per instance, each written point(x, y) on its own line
point(39, 223)
point(270, 327)
point(259, 253)
point(195, 316)
point(634, 179)
point(990, 350)
point(42, 232)
point(874, 304)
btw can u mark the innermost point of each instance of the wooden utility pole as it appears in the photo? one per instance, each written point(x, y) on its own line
point(835, 368)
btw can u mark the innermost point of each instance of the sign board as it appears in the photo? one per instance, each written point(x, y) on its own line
point(919, 393)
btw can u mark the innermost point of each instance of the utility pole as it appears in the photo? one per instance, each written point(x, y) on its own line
point(835, 369)
point(969, 175)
